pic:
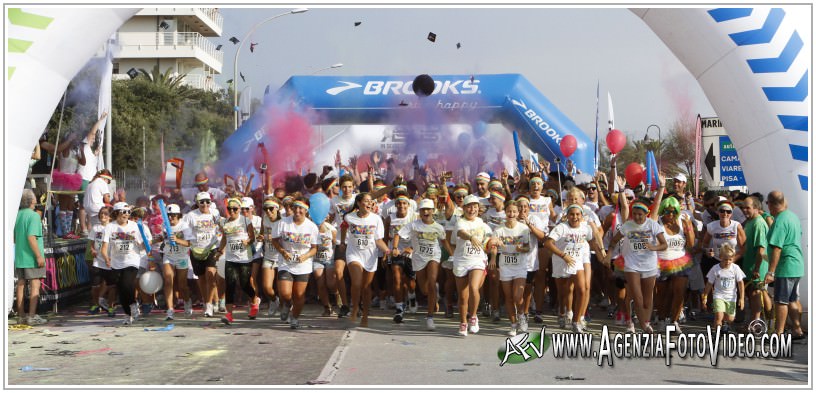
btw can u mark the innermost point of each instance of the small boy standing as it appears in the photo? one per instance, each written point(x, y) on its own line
point(725, 280)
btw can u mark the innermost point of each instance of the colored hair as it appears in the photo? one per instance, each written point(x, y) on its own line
point(669, 203)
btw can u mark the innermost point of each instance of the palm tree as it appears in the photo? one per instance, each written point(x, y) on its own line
point(174, 84)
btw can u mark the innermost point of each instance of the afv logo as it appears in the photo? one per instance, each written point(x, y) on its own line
point(524, 347)
point(538, 121)
point(465, 86)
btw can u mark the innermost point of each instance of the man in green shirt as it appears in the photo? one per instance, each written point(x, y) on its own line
point(755, 259)
point(787, 265)
point(29, 257)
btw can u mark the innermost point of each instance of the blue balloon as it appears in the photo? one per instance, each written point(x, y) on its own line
point(479, 129)
point(318, 207)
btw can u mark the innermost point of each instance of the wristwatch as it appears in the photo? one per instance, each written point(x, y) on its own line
point(771, 274)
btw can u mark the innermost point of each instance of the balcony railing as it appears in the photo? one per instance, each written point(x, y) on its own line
point(215, 16)
point(169, 40)
point(197, 81)
point(211, 13)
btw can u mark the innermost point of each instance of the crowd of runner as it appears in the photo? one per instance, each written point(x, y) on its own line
point(497, 245)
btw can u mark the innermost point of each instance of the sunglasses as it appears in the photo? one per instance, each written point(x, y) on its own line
point(124, 211)
point(204, 202)
point(726, 211)
point(630, 199)
point(593, 188)
point(234, 209)
point(246, 209)
point(670, 211)
point(269, 209)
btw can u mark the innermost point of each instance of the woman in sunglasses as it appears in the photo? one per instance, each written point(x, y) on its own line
point(675, 262)
point(235, 246)
point(125, 243)
point(296, 239)
point(719, 232)
point(176, 262)
point(256, 253)
point(202, 252)
point(271, 218)
point(453, 211)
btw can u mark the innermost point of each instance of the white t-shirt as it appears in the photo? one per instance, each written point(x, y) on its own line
point(540, 207)
point(635, 254)
point(204, 229)
point(589, 216)
point(339, 207)
point(509, 255)
point(395, 225)
point(236, 232)
point(88, 170)
point(296, 240)
point(325, 249)
point(257, 250)
point(572, 241)
point(363, 232)
point(97, 234)
point(493, 218)
point(725, 281)
point(270, 252)
point(424, 239)
point(125, 244)
point(178, 252)
point(720, 236)
point(465, 253)
point(389, 208)
point(676, 245)
point(532, 256)
point(95, 196)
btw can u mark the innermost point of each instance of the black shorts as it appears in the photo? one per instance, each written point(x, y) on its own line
point(531, 277)
point(98, 275)
point(200, 265)
point(339, 255)
point(258, 260)
point(284, 275)
point(405, 263)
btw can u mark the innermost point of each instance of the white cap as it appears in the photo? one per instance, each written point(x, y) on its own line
point(483, 176)
point(681, 177)
point(247, 202)
point(121, 206)
point(628, 192)
point(173, 209)
point(203, 195)
point(582, 179)
point(470, 199)
point(426, 204)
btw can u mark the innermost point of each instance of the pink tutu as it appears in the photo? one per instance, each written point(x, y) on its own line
point(675, 265)
point(66, 181)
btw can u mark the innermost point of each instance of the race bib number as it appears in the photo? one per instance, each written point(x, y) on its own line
point(426, 250)
point(471, 251)
point(323, 255)
point(171, 249)
point(295, 257)
point(639, 246)
point(236, 245)
point(510, 259)
point(122, 247)
point(363, 243)
point(203, 237)
point(573, 251)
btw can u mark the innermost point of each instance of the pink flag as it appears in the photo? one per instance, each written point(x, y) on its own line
point(697, 139)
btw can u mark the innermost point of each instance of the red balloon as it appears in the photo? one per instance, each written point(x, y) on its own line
point(634, 174)
point(568, 145)
point(615, 141)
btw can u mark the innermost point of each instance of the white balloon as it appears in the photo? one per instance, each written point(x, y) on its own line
point(150, 282)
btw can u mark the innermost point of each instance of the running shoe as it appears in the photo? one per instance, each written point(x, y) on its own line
point(293, 323)
point(274, 307)
point(429, 323)
point(619, 320)
point(486, 310)
point(463, 329)
point(169, 316)
point(398, 316)
point(222, 305)
point(496, 316)
point(111, 312)
point(562, 321)
point(188, 308)
point(94, 309)
point(128, 320)
point(512, 331)
point(522, 322)
point(630, 327)
point(227, 319)
point(208, 310)
point(677, 327)
point(134, 311)
point(577, 327)
point(538, 318)
point(648, 329)
point(583, 323)
point(412, 306)
point(474, 324)
point(103, 303)
point(327, 311)
point(284, 314)
point(569, 315)
point(36, 320)
point(344, 311)
point(253, 311)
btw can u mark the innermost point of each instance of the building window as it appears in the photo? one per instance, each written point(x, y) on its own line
point(116, 67)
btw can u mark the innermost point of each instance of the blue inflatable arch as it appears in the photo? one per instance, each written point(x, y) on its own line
point(508, 99)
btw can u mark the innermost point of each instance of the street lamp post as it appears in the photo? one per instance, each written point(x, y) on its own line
point(338, 65)
point(659, 147)
point(238, 52)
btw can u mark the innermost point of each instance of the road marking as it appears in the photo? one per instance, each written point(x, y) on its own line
point(799, 376)
point(333, 364)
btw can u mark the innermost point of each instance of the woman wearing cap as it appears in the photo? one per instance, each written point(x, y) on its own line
point(239, 234)
point(719, 232)
point(97, 195)
point(202, 250)
point(338, 208)
point(538, 234)
point(147, 261)
point(176, 261)
point(570, 244)
point(296, 239)
point(640, 259)
point(271, 256)
point(248, 211)
point(399, 261)
point(323, 263)
point(494, 217)
point(674, 262)
point(103, 279)
point(425, 237)
point(470, 260)
point(125, 242)
point(513, 245)
point(453, 211)
point(362, 234)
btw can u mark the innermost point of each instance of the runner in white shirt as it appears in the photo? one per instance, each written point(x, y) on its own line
point(338, 207)
point(176, 261)
point(570, 244)
point(513, 246)
point(125, 242)
point(362, 234)
point(725, 281)
point(103, 279)
point(236, 246)
point(452, 213)
point(640, 260)
point(202, 250)
point(399, 264)
point(248, 211)
point(494, 217)
point(271, 218)
point(540, 205)
point(323, 261)
point(469, 263)
point(536, 282)
point(296, 239)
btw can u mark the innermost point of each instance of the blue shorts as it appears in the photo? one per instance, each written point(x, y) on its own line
point(786, 289)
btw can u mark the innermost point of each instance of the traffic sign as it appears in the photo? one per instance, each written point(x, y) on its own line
point(722, 164)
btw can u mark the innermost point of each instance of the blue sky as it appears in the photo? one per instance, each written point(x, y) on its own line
point(564, 52)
